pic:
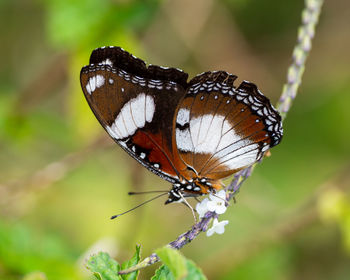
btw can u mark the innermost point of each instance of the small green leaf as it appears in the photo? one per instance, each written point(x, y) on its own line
point(104, 267)
point(176, 266)
point(163, 273)
point(194, 272)
point(134, 261)
point(174, 261)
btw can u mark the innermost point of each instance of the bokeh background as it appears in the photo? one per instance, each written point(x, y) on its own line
point(62, 177)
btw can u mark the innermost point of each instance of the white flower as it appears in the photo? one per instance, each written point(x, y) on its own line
point(218, 227)
point(202, 207)
point(217, 203)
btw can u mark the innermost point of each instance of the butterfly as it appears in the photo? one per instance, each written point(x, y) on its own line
point(191, 133)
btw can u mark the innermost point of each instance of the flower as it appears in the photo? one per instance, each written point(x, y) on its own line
point(202, 207)
point(217, 203)
point(218, 227)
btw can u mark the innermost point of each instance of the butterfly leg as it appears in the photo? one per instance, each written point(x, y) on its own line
point(189, 206)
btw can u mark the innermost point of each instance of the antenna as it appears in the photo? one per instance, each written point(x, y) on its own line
point(147, 192)
point(153, 198)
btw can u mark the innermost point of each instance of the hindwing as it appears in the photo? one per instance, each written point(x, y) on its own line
point(221, 129)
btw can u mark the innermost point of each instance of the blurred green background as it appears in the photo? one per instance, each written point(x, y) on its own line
point(62, 177)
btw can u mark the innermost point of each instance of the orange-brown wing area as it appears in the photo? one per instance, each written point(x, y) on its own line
point(136, 106)
point(221, 129)
point(156, 151)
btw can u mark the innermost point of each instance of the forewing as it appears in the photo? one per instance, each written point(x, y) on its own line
point(135, 105)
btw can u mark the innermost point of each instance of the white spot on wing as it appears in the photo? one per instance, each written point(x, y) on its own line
point(95, 82)
point(107, 62)
point(183, 116)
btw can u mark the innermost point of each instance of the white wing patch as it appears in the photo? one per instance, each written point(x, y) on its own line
point(138, 108)
point(95, 82)
point(183, 140)
point(238, 155)
point(183, 116)
point(206, 132)
point(213, 134)
point(113, 131)
point(149, 108)
point(133, 115)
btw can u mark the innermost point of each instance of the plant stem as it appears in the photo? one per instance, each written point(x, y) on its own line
point(306, 32)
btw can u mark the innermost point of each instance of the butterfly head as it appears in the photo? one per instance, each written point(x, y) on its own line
point(190, 188)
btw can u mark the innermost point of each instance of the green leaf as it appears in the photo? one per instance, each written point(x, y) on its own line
point(104, 267)
point(134, 261)
point(163, 273)
point(194, 272)
point(174, 261)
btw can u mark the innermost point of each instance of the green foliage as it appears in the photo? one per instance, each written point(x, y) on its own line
point(175, 262)
point(163, 273)
point(104, 267)
point(176, 266)
point(132, 262)
point(192, 273)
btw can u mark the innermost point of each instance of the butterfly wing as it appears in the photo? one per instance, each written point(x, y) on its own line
point(221, 129)
point(135, 105)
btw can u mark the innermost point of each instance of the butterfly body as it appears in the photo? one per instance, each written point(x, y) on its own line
point(192, 134)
